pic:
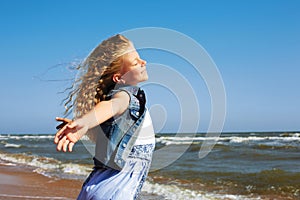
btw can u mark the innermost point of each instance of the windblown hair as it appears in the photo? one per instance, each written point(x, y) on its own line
point(95, 77)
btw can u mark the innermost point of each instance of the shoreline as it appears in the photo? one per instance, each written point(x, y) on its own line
point(19, 182)
point(241, 166)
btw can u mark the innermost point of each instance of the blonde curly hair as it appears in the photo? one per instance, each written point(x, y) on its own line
point(95, 78)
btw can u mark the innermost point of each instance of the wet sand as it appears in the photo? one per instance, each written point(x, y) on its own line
point(21, 183)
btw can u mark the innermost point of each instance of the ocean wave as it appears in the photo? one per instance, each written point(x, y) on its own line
point(283, 140)
point(175, 192)
point(9, 145)
point(290, 135)
point(227, 185)
point(168, 140)
point(187, 140)
point(48, 166)
point(19, 137)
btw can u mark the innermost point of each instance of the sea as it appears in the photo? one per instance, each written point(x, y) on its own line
point(247, 165)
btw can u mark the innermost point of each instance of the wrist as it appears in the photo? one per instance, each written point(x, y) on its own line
point(87, 121)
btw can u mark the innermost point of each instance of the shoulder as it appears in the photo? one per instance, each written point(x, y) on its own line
point(124, 92)
point(120, 102)
point(121, 95)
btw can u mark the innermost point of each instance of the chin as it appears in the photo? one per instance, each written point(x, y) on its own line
point(146, 77)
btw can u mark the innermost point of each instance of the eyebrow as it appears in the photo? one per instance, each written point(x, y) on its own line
point(136, 58)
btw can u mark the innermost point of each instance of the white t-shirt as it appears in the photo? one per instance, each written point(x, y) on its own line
point(146, 135)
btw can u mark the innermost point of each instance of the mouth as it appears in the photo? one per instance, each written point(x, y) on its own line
point(144, 71)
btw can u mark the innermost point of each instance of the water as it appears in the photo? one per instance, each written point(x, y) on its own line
point(240, 166)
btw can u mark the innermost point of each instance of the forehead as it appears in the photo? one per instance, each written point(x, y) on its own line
point(131, 55)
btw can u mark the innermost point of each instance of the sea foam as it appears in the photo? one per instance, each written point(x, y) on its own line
point(171, 192)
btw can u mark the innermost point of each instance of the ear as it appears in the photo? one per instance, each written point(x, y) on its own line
point(116, 77)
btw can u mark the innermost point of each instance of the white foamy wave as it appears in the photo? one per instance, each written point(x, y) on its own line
point(245, 139)
point(227, 140)
point(76, 169)
point(18, 137)
point(290, 135)
point(35, 161)
point(171, 192)
point(45, 165)
point(183, 140)
point(7, 164)
point(3, 137)
point(8, 145)
point(273, 141)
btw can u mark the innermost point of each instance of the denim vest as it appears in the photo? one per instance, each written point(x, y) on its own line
point(119, 134)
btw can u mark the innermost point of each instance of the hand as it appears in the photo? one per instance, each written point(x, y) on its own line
point(64, 121)
point(69, 134)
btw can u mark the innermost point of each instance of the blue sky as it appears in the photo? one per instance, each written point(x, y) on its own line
point(255, 45)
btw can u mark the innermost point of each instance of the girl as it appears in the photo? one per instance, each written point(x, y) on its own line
point(110, 109)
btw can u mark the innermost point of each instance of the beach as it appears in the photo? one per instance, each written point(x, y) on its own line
point(22, 183)
point(241, 166)
point(19, 182)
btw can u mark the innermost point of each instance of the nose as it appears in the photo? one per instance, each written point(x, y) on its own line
point(144, 62)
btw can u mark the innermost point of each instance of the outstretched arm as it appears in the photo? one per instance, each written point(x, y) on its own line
point(69, 134)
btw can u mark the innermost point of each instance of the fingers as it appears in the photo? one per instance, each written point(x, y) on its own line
point(64, 144)
point(71, 145)
point(64, 138)
point(59, 134)
point(61, 119)
point(60, 143)
point(64, 131)
point(68, 145)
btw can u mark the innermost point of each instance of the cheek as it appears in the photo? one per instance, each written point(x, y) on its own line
point(135, 73)
point(132, 75)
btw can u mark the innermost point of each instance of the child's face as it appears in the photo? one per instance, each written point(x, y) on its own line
point(134, 68)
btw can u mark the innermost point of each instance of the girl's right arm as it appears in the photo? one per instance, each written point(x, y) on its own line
point(68, 135)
